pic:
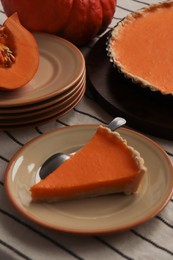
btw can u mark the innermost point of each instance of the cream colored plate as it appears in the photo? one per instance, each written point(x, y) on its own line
point(44, 114)
point(6, 112)
point(61, 66)
point(47, 117)
point(96, 215)
point(55, 105)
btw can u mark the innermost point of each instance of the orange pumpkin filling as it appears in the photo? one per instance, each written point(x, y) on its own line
point(104, 165)
point(19, 57)
point(141, 46)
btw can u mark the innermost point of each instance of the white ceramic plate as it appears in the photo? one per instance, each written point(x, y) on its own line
point(61, 66)
point(95, 215)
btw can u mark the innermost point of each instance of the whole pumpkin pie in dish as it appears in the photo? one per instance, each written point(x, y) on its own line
point(141, 46)
point(105, 165)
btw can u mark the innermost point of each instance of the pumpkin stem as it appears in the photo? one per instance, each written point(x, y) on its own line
point(7, 57)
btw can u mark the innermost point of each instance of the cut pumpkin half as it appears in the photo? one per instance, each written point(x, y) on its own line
point(19, 56)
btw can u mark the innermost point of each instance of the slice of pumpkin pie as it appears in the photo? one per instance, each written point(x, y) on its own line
point(140, 46)
point(105, 165)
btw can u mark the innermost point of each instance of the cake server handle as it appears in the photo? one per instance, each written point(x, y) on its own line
point(116, 123)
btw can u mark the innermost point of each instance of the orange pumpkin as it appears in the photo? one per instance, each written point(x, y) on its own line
point(76, 20)
point(19, 57)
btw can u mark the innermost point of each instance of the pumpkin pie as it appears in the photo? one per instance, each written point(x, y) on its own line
point(141, 47)
point(105, 165)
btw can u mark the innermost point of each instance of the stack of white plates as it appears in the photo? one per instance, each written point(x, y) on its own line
point(57, 87)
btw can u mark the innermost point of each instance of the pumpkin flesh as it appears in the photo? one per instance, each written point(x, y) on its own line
point(22, 66)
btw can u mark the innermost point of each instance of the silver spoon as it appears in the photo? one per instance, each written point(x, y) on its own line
point(57, 159)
